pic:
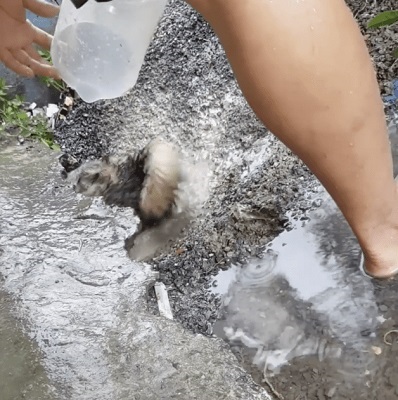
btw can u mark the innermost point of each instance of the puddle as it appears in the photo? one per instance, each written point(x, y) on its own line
point(63, 261)
point(305, 302)
point(300, 275)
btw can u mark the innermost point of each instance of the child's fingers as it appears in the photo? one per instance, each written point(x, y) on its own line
point(39, 65)
point(15, 65)
point(43, 39)
point(41, 8)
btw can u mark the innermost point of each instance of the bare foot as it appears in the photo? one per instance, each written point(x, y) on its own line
point(380, 246)
point(381, 269)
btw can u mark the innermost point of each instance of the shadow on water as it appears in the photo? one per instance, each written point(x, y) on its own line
point(303, 310)
point(21, 374)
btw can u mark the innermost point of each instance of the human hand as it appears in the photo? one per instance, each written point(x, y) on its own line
point(18, 37)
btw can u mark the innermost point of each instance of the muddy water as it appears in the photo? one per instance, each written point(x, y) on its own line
point(65, 283)
point(88, 332)
point(304, 315)
point(21, 373)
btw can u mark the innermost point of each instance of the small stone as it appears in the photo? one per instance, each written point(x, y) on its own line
point(366, 332)
point(38, 112)
point(51, 110)
point(317, 202)
point(68, 102)
point(331, 392)
point(383, 308)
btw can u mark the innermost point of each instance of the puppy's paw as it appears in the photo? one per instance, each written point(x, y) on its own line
point(146, 244)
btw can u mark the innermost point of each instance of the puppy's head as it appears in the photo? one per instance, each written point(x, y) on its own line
point(94, 177)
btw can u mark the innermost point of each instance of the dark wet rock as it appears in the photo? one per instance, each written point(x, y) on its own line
point(68, 162)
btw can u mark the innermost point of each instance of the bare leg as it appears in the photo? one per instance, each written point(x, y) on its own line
point(305, 70)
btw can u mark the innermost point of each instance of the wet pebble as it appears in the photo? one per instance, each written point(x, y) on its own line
point(331, 392)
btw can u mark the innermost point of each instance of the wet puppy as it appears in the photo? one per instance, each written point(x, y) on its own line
point(147, 181)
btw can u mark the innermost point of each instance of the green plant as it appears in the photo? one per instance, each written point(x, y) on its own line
point(385, 18)
point(13, 116)
point(57, 84)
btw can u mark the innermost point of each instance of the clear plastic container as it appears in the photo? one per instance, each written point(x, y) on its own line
point(99, 48)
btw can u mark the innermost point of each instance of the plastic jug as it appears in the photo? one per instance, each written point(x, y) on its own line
point(99, 45)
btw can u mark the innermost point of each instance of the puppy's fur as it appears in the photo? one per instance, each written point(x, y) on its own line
point(146, 181)
point(165, 191)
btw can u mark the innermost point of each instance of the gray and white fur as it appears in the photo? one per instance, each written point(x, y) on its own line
point(146, 181)
point(155, 182)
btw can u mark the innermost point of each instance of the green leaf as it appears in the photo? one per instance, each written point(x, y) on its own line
point(21, 115)
point(45, 142)
point(55, 147)
point(383, 19)
point(395, 53)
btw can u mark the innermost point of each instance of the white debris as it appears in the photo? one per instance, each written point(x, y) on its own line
point(377, 350)
point(32, 106)
point(37, 112)
point(68, 101)
point(163, 300)
point(51, 110)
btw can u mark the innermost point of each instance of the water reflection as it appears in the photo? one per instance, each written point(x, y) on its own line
point(305, 297)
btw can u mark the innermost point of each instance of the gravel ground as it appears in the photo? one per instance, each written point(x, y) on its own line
point(187, 93)
point(210, 122)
